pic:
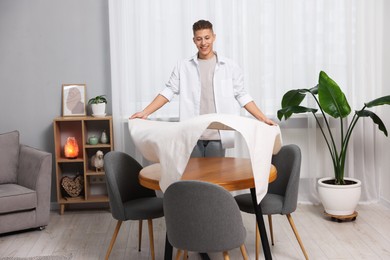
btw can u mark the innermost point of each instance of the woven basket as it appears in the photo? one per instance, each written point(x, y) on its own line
point(72, 186)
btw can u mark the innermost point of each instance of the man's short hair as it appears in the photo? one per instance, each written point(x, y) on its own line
point(202, 24)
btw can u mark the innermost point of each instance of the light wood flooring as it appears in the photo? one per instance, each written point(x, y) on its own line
point(86, 235)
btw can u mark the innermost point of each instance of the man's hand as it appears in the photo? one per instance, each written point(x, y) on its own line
point(158, 102)
point(140, 114)
point(252, 108)
point(269, 121)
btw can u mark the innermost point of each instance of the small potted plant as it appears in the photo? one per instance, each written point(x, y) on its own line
point(332, 101)
point(98, 105)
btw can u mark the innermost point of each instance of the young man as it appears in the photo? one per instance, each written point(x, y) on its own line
point(207, 83)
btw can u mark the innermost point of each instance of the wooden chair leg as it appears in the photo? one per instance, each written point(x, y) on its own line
point(116, 231)
point(185, 256)
point(139, 235)
point(243, 252)
point(292, 224)
point(257, 243)
point(271, 228)
point(178, 254)
point(151, 239)
point(226, 255)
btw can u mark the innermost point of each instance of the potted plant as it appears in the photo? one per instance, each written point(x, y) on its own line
point(98, 105)
point(331, 101)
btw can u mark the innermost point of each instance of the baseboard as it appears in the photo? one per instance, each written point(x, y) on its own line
point(384, 202)
point(54, 206)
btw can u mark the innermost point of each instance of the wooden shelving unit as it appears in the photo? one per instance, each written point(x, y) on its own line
point(94, 187)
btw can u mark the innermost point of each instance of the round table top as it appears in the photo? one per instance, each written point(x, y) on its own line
point(230, 173)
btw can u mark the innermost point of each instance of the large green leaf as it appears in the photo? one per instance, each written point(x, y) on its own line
point(292, 98)
point(331, 98)
point(288, 111)
point(375, 119)
point(379, 101)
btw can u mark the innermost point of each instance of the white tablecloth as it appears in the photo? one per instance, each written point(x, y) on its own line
point(171, 144)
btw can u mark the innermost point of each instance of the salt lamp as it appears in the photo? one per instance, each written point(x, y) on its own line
point(71, 148)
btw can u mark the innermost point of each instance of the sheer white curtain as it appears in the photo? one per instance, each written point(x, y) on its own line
point(279, 44)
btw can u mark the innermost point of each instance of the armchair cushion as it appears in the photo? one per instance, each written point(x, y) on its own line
point(9, 157)
point(16, 198)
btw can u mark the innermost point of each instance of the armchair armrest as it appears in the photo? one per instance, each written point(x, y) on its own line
point(34, 172)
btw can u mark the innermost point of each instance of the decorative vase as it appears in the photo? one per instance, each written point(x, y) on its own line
point(104, 138)
point(339, 200)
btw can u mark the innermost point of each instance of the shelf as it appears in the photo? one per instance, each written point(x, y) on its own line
point(81, 128)
point(66, 160)
point(79, 199)
point(97, 146)
point(98, 198)
point(91, 199)
point(94, 173)
point(82, 118)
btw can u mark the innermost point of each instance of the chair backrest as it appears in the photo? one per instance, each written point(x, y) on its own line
point(122, 173)
point(288, 164)
point(202, 217)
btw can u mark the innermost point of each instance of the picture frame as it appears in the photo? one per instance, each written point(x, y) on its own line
point(73, 100)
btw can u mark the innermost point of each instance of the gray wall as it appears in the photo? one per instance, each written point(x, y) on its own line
point(44, 44)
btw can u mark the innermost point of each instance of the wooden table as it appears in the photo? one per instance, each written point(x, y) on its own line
point(231, 173)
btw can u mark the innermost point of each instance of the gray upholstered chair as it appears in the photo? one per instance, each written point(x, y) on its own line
point(282, 195)
point(128, 199)
point(25, 183)
point(203, 217)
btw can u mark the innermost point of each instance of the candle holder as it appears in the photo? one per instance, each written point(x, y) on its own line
point(71, 148)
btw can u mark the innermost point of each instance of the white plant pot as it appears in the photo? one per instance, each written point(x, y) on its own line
point(339, 200)
point(98, 110)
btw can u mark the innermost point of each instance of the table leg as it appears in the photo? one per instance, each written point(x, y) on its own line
point(260, 223)
point(168, 249)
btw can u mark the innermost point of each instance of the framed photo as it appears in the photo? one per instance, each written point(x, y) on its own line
point(73, 100)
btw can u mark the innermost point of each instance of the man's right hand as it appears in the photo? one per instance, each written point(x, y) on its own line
point(158, 102)
point(140, 114)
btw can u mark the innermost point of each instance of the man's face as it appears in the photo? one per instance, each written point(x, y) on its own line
point(204, 40)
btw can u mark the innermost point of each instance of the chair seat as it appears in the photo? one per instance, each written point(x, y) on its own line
point(14, 197)
point(271, 203)
point(144, 208)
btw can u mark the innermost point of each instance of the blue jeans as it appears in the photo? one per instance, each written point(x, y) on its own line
point(208, 148)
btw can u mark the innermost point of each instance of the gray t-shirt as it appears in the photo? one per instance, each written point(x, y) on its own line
point(207, 101)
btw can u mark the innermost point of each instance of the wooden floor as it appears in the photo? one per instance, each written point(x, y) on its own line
point(86, 235)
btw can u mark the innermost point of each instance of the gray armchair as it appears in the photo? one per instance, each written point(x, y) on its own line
point(25, 183)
